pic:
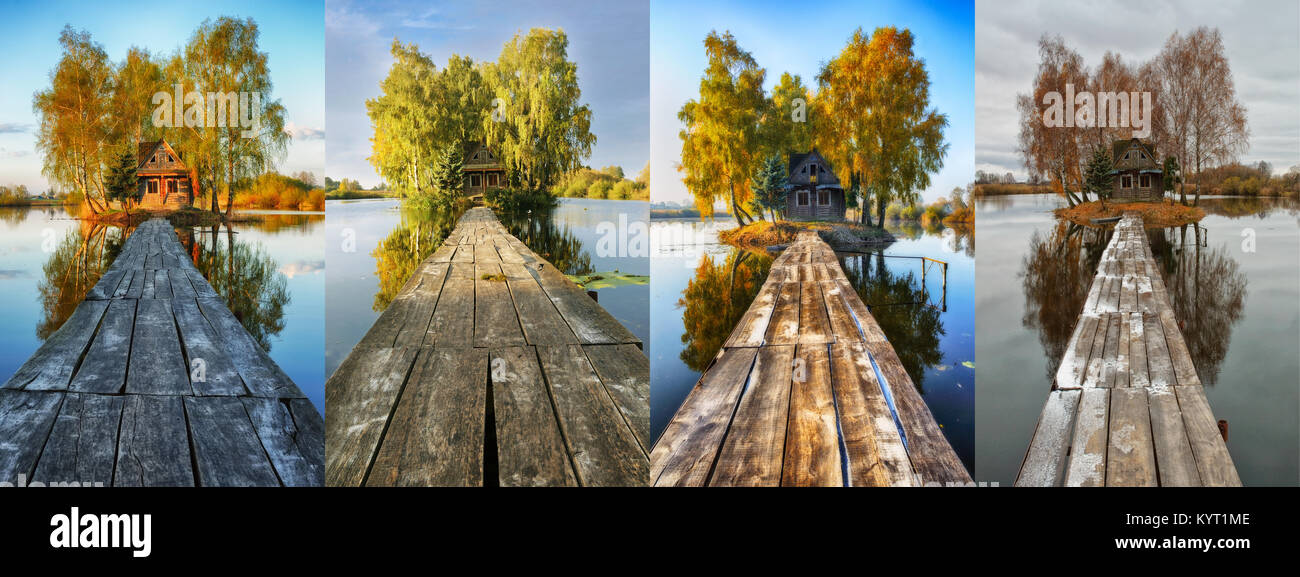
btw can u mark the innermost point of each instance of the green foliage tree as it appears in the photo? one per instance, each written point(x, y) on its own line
point(404, 142)
point(537, 125)
point(449, 174)
point(121, 182)
point(769, 184)
point(1172, 173)
point(875, 119)
point(786, 123)
point(1098, 179)
point(720, 138)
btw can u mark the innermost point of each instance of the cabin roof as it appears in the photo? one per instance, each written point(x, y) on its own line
point(146, 150)
point(1119, 147)
point(487, 157)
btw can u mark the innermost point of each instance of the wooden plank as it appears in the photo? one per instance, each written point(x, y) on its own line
point(153, 448)
point(843, 324)
point(82, 446)
point(495, 321)
point(26, 419)
point(1177, 464)
point(52, 366)
point(603, 449)
point(530, 449)
point(1074, 365)
point(104, 368)
point(814, 325)
point(436, 437)
point(156, 366)
point(227, 450)
point(200, 284)
point(422, 298)
point(1159, 364)
point(686, 450)
point(180, 284)
point(1179, 356)
point(107, 285)
point(625, 372)
point(260, 374)
point(752, 328)
point(875, 451)
point(451, 325)
point(359, 400)
point(1212, 458)
point(812, 451)
point(1087, 465)
point(1139, 375)
point(162, 286)
point(591, 323)
point(783, 329)
point(1096, 355)
point(1046, 458)
point(933, 458)
point(293, 434)
point(1130, 458)
point(754, 449)
point(204, 351)
point(540, 320)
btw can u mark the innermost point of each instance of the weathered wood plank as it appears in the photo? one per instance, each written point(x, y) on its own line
point(260, 374)
point(1130, 458)
point(540, 320)
point(83, 444)
point(625, 372)
point(227, 450)
point(104, 368)
point(451, 326)
point(933, 458)
point(1212, 458)
point(1087, 465)
point(157, 366)
point(495, 321)
point(359, 400)
point(686, 450)
point(436, 437)
point(876, 454)
point(293, 434)
point(591, 323)
point(1046, 458)
point(599, 440)
point(754, 449)
point(812, 455)
point(1173, 451)
point(153, 448)
point(52, 366)
point(218, 375)
point(26, 419)
point(814, 325)
point(783, 329)
point(531, 451)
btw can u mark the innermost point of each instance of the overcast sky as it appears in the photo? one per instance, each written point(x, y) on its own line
point(800, 41)
point(1262, 39)
point(609, 41)
point(290, 34)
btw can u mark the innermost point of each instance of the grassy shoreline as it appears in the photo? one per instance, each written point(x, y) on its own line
point(1154, 214)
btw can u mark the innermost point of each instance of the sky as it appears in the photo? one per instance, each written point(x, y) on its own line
point(1261, 37)
point(290, 33)
point(607, 40)
point(783, 39)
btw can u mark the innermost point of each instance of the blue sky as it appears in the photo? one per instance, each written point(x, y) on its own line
point(608, 41)
point(291, 33)
point(799, 38)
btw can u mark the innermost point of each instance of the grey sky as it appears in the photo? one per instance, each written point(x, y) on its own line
point(1262, 39)
point(609, 41)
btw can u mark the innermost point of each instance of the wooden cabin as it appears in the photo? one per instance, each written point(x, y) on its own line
point(1139, 174)
point(814, 192)
point(482, 170)
point(163, 179)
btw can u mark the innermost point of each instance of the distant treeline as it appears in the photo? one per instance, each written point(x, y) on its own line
point(606, 183)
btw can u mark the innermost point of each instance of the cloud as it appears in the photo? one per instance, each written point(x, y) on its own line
point(302, 267)
point(14, 128)
point(304, 132)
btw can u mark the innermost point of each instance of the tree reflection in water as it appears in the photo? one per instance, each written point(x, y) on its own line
point(902, 306)
point(246, 277)
point(1206, 287)
point(75, 265)
point(715, 300)
point(420, 232)
point(536, 228)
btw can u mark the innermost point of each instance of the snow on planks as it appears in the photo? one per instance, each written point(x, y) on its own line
point(152, 381)
point(804, 392)
point(1126, 407)
point(490, 368)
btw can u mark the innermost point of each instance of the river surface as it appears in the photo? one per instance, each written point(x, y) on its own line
point(702, 287)
point(1234, 286)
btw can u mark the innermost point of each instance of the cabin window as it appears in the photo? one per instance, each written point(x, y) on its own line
point(813, 168)
point(823, 197)
point(803, 198)
point(475, 181)
point(492, 179)
point(1126, 181)
point(803, 170)
point(1126, 155)
point(152, 188)
point(1145, 181)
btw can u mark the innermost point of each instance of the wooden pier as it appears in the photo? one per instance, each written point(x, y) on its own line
point(490, 368)
point(1127, 407)
point(153, 381)
point(806, 391)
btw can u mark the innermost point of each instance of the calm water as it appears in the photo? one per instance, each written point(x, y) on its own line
point(701, 288)
point(374, 245)
point(1240, 312)
point(273, 279)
